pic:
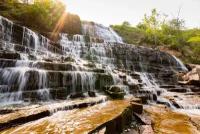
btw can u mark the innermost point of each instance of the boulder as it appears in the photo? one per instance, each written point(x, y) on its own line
point(91, 93)
point(192, 77)
point(115, 91)
point(77, 95)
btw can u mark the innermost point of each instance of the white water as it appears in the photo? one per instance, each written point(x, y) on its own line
point(5, 29)
point(72, 48)
point(180, 64)
point(100, 54)
point(100, 31)
point(86, 80)
point(19, 77)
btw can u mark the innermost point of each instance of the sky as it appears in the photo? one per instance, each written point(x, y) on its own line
point(109, 12)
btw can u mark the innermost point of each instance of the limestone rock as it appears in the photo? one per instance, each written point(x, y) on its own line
point(192, 77)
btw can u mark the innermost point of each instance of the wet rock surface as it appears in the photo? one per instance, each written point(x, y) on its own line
point(35, 112)
point(64, 121)
point(39, 80)
point(167, 121)
point(115, 91)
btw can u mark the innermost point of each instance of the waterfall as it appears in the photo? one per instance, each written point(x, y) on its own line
point(43, 91)
point(30, 39)
point(13, 77)
point(151, 88)
point(34, 41)
point(100, 31)
point(73, 47)
point(180, 64)
point(6, 29)
point(80, 82)
point(19, 78)
point(39, 69)
point(148, 80)
point(78, 38)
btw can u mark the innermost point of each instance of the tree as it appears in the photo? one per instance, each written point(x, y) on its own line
point(126, 23)
point(151, 25)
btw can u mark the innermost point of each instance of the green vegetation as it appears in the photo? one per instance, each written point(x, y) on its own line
point(157, 31)
point(43, 16)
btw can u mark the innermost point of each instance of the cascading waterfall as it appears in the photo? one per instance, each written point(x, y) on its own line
point(35, 68)
point(150, 86)
point(78, 38)
point(30, 39)
point(80, 81)
point(18, 78)
point(43, 91)
point(100, 31)
point(6, 32)
point(5, 29)
point(102, 53)
point(74, 47)
point(33, 40)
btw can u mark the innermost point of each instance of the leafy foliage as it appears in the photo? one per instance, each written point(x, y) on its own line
point(156, 30)
point(42, 16)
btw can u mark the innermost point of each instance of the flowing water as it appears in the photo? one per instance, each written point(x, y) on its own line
point(34, 69)
point(100, 31)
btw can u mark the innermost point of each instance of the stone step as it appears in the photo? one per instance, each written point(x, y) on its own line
point(7, 88)
point(122, 122)
point(179, 90)
point(9, 55)
point(195, 89)
point(193, 93)
point(17, 38)
point(167, 86)
point(54, 66)
point(147, 92)
point(68, 66)
point(32, 113)
point(145, 98)
point(27, 49)
point(58, 93)
point(36, 79)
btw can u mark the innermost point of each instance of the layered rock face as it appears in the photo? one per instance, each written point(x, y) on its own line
point(48, 75)
point(192, 77)
point(33, 68)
